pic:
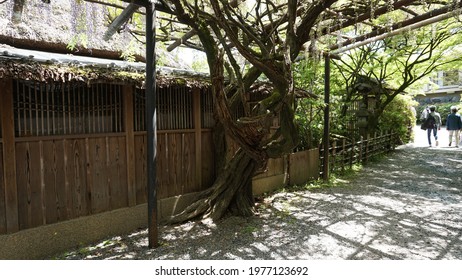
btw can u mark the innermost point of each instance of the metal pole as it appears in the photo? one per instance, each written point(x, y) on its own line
point(325, 173)
point(151, 124)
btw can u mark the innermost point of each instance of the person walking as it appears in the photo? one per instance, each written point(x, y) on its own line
point(433, 124)
point(424, 113)
point(454, 125)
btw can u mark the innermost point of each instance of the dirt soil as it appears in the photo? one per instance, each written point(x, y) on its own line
point(407, 205)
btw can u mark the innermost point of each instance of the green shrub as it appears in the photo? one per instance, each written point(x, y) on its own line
point(399, 116)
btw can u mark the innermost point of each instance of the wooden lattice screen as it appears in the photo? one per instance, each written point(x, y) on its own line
point(207, 119)
point(174, 109)
point(43, 109)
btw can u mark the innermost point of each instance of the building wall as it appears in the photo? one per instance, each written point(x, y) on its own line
point(73, 151)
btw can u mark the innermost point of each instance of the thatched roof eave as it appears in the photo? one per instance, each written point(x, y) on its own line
point(42, 72)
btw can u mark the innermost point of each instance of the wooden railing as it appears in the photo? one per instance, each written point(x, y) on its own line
point(344, 153)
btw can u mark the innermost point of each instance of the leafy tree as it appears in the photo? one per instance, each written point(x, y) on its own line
point(382, 70)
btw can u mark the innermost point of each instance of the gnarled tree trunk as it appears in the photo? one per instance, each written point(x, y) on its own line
point(232, 191)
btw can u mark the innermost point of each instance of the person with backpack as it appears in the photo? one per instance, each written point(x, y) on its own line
point(432, 123)
point(453, 125)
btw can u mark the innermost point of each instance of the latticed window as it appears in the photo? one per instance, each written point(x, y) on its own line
point(207, 119)
point(45, 109)
point(174, 109)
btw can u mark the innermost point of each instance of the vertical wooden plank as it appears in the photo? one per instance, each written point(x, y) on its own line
point(112, 109)
point(88, 177)
point(62, 117)
point(117, 171)
point(119, 109)
point(172, 168)
point(23, 169)
point(30, 197)
point(198, 135)
point(97, 95)
point(141, 169)
point(68, 199)
point(41, 109)
point(2, 190)
point(46, 117)
point(59, 169)
point(19, 110)
point(9, 155)
point(180, 164)
point(99, 176)
point(189, 163)
point(29, 109)
point(208, 160)
point(163, 171)
point(48, 183)
point(128, 98)
point(36, 195)
point(78, 174)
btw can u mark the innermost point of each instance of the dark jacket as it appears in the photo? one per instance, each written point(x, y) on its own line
point(454, 122)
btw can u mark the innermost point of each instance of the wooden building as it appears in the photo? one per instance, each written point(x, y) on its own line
point(73, 137)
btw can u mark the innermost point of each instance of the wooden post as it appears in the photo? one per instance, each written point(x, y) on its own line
point(334, 155)
point(9, 155)
point(366, 156)
point(198, 134)
point(343, 154)
point(325, 173)
point(128, 94)
point(352, 152)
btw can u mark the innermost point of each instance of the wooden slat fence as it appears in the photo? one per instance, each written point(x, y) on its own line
point(344, 153)
point(81, 150)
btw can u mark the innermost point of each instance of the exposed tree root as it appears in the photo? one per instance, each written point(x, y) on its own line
point(229, 193)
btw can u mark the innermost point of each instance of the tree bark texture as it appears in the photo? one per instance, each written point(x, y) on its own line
point(231, 192)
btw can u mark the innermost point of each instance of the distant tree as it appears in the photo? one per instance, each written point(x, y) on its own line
point(378, 72)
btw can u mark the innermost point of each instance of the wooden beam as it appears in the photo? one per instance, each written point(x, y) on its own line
point(128, 94)
point(24, 43)
point(434, 16)
point(362, 17)
point(9, 155)
point(198, 134)
point(180, 41)
point(120, 20)
point(418, 21)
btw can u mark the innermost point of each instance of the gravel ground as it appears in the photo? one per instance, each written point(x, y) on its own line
point(405, 206)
